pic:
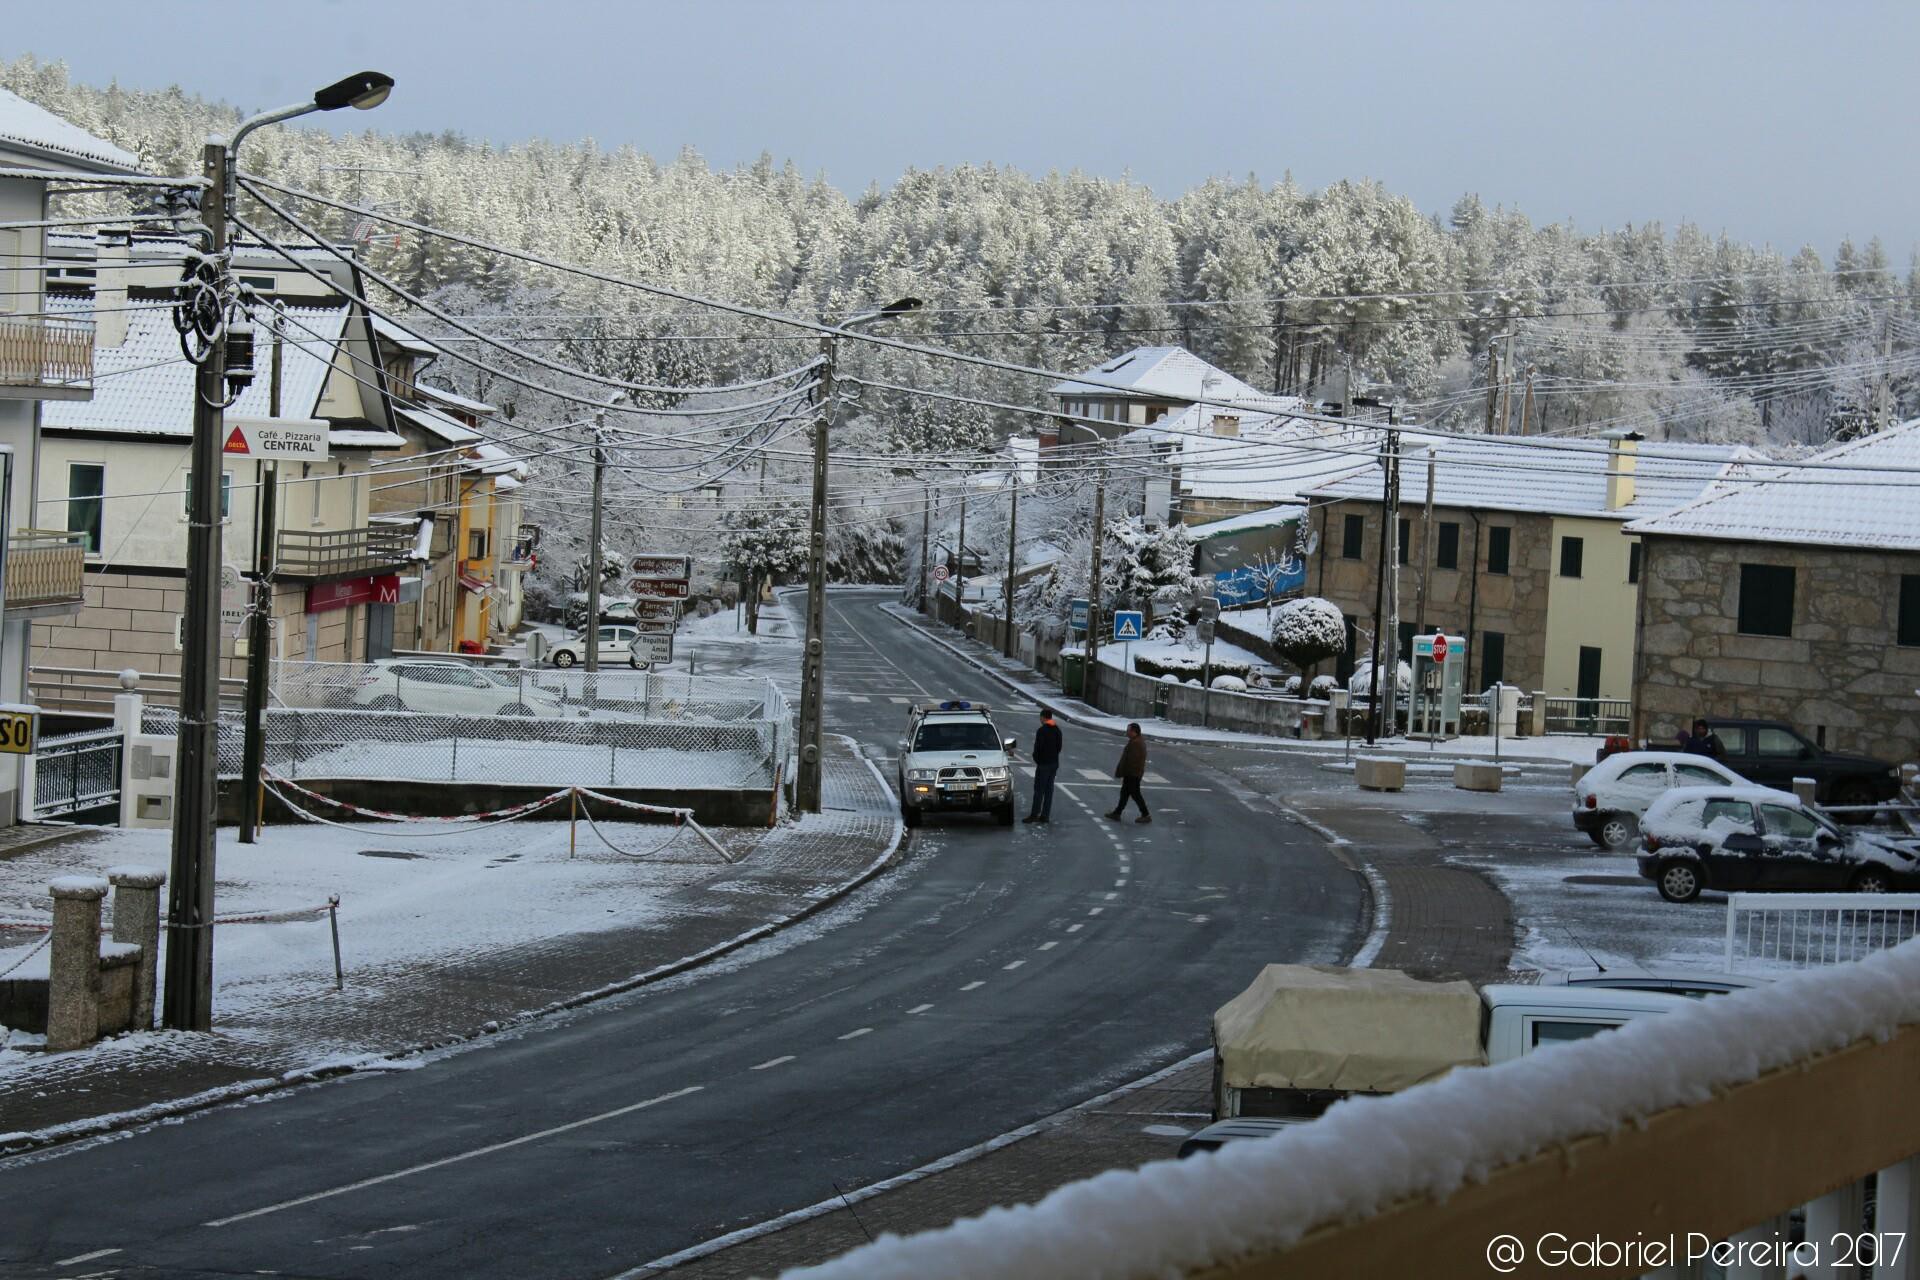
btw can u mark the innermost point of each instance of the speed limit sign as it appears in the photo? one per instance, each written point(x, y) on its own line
point(17, 725)
point(939, 573)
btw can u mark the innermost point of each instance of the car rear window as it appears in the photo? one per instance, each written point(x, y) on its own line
point(1646, 773)
point(1693, 773)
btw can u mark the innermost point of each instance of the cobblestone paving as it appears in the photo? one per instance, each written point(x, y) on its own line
point(779, 873)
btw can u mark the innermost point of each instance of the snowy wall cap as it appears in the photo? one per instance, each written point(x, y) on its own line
point(82, 887)
point(137, 877)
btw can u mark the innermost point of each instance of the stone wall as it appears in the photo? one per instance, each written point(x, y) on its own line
point(1513, 604)
point(1839, 676)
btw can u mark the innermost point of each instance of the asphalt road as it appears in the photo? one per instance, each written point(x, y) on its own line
point(994, 978)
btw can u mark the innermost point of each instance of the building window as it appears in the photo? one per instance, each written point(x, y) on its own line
point(1766, 600)
point(1406, 540)
point(1406, 642)
point(86, 486)
point(1493, 658)
point(1633, 562)
point(1499, 548)
point(226, 496)
point(1353, 533)
point(1573, 551)
point(1446, 554)
point(1908, 631)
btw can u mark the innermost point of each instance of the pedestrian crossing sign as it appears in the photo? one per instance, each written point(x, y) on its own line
point(1128, 624)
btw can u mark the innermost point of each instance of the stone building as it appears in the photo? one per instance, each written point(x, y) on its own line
point(1793, 596)
point(1522, 553)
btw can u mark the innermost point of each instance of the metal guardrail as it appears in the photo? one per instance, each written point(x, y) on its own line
point(46, 567)
point(76, 771)
point(343, 553)
point(1589, 715)
point(1806, 929)
point(37, 352)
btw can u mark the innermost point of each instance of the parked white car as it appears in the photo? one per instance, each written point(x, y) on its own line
point(1613, 796)
point(616, 646)
point(446, 688)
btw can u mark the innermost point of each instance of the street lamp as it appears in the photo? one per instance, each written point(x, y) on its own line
point(188, 1003)
point(806, 783)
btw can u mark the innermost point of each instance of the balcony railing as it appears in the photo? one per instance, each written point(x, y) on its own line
point(343, 553)
point(46, 569)
point(46, 353)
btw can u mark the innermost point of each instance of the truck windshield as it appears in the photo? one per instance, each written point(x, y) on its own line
point(959, 735)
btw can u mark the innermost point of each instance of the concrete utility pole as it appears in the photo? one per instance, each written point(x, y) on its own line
point(188, 1002)
point(596, 552)
point(1279, 348)
point(1389, 537)
point(1426, 545)
point(1093, 569)
point(1393, 582)
point(806, 780)
point(1883, 389)
point(926, 523)
point(260, 624)
point(1506, 390)
point(960, 563)
point(1013, 542)
point(1526, 406)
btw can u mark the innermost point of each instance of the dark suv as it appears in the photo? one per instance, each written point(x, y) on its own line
point(1771, 754)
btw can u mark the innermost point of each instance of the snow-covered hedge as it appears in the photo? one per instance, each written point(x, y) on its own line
point(1185, 666)
point(1229, 684)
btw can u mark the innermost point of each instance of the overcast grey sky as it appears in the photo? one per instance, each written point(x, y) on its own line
point(1784, 123)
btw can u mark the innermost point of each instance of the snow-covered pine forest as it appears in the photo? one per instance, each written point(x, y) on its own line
point(1674, 331)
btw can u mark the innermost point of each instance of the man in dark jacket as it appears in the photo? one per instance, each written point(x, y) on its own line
point(1132, 768)
point(1046, 763)
point(1705, 742)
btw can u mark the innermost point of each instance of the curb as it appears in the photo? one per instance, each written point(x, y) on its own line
point(12, 1144)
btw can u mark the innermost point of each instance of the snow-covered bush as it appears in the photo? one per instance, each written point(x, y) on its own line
point(1323, 686)
point(1185, 665)
point(1363, 673)
point(1309, 630)
point(1229, 684)
point(1292, 686)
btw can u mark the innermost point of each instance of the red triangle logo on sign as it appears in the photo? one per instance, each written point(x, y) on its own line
point(236, 442)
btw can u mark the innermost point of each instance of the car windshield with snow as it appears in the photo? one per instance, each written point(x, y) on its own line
point(953, 759)
point(1611, 798)
point(1756, 839)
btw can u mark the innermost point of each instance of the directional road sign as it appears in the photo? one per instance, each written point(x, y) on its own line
point(652, 650)
point(662, 566)
point(659, 588)
point(649, 609)
point(1129, 624)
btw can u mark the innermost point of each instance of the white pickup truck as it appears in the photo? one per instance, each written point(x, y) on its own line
point(1302, 1037)
point(952, 760)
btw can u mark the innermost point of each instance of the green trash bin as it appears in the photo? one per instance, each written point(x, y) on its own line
point(1073, 674)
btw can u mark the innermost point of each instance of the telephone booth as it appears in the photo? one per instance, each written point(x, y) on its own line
point(1439, 674)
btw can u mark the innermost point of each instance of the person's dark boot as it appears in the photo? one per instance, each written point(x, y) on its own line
point(1033, 817)
point(1115, 815)
point(1145, 817)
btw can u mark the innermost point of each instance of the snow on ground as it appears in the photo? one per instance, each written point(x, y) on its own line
point(731, 624)
point(537, 763)
point(404, 900)
point(1116, 653)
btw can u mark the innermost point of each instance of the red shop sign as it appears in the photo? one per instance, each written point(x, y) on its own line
point(325, 596)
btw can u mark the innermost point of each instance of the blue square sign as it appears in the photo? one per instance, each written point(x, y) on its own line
point(1077, 614)
point(1129, 624)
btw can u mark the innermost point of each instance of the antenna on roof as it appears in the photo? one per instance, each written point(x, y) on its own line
point(1598, 967)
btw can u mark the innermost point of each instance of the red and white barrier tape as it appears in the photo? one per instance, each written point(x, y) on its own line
point(40, 925)
point(679, 816)
point(489, 818)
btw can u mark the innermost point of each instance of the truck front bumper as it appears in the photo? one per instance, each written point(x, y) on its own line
point(945, 798)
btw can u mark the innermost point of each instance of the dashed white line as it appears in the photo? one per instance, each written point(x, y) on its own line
point(1112, 896)
point(858, 697)
point(1048, 946)
point(920, 1008)
point(1094, 911)
point(1015, 965)
point(1075, 928)
point(855, 1034)
point(84, 1257)
point(772, 1062)
point(971, 985)
point(489, 1149)
point(899, 701)
point(1119, 884)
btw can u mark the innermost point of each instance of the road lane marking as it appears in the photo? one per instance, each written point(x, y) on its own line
point(1094, 911)
point(858, 697)
point(1092, 775)
point(1119, 884)
point(971, 985)
point(855, 1034)
point(1075, 928)
point(489, 1149)
point(1048, 946)
point(1112, 896)
point(1015, 965)
point(899, 701)
point(84, 1257)
point(920, 1008)
point(772, 1062)
point(1154, 778)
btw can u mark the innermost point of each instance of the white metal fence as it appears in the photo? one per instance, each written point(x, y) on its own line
point(1800, 930)
point(449, 722)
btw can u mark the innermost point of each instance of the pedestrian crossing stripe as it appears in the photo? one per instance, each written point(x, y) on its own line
point(900, 701)
point(1094, 775)
point(858, 697)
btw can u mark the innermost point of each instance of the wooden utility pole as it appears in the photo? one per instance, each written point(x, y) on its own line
point(1493, 380)
point(259, 623)
point(1279, 348)
point(1093, 569)
point(926, 523)
point(1526, 406)
point(1013, 542)
point(1389, 533)
point(813, 658)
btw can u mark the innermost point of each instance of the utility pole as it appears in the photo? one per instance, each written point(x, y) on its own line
point(1013, 541)
point(1506, 390)
point(188, 1002)
point(926, 522)
point(1883, 390)
point(1093, 570)
point(1393, 579)
point(1389, 536)
point(260, 624)
point(1426, 544)
point(1493, 379)
point(1279, 347)
point(960, 562)
point(806, 783)
point(1526, 406)
point(596, 552)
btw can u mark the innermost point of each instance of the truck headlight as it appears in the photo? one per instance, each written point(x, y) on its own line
point(921, 775)
point(996, 773)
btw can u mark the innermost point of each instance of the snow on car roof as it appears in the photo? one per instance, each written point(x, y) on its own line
point(1757, 795)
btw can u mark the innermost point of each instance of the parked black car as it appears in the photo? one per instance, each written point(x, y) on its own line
point(1752, 838)
point(1770, 754)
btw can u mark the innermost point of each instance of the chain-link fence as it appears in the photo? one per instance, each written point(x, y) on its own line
point(445, 721)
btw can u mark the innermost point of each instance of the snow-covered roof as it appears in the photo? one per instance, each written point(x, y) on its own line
point(145, 387)
point(1854, 498)
point(25, 126)
point(440, 425)
point(1269, 518)
point(491, 459)
point(458, 401)
point(1548, 476)
point(1163, 373)
point(393, 333)
point(1272, 458)
point(364, 438)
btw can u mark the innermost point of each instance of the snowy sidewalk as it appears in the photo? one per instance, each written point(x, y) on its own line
point(442, 939)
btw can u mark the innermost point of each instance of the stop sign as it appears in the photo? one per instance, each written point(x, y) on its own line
point(1439, 647)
